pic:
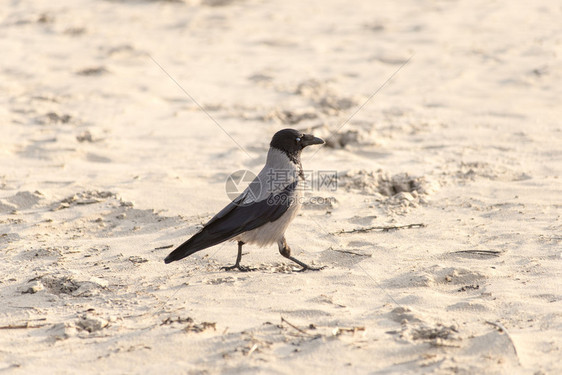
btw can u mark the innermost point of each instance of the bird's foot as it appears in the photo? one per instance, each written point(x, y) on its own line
point(239, 267)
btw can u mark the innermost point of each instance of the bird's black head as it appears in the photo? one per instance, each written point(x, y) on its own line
point(291, 141)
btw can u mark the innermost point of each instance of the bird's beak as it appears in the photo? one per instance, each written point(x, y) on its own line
point(309, 139)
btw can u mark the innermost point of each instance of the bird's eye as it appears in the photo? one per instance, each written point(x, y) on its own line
point(298, 139)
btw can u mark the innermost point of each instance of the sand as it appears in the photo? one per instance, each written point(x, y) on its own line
point(121, 121)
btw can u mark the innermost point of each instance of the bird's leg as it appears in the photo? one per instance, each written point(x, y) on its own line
point(238, 259)
point(285, 250)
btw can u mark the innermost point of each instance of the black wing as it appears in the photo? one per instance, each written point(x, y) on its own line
point(234, 219)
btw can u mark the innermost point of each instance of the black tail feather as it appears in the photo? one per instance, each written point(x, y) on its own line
point(198, 242)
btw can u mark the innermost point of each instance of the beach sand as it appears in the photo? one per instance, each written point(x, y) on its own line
point(120, 122)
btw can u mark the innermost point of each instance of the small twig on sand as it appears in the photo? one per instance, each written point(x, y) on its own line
point(501, 328)
point(492, 253)
point(252, 349)
point(382, 229)
point(163, 247)
point(283, 320)
point(22, 326)
point(442, 345)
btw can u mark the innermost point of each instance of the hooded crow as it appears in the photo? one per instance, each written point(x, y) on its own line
point(262, 213)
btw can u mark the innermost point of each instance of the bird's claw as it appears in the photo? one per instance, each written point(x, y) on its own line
point(309, 268)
